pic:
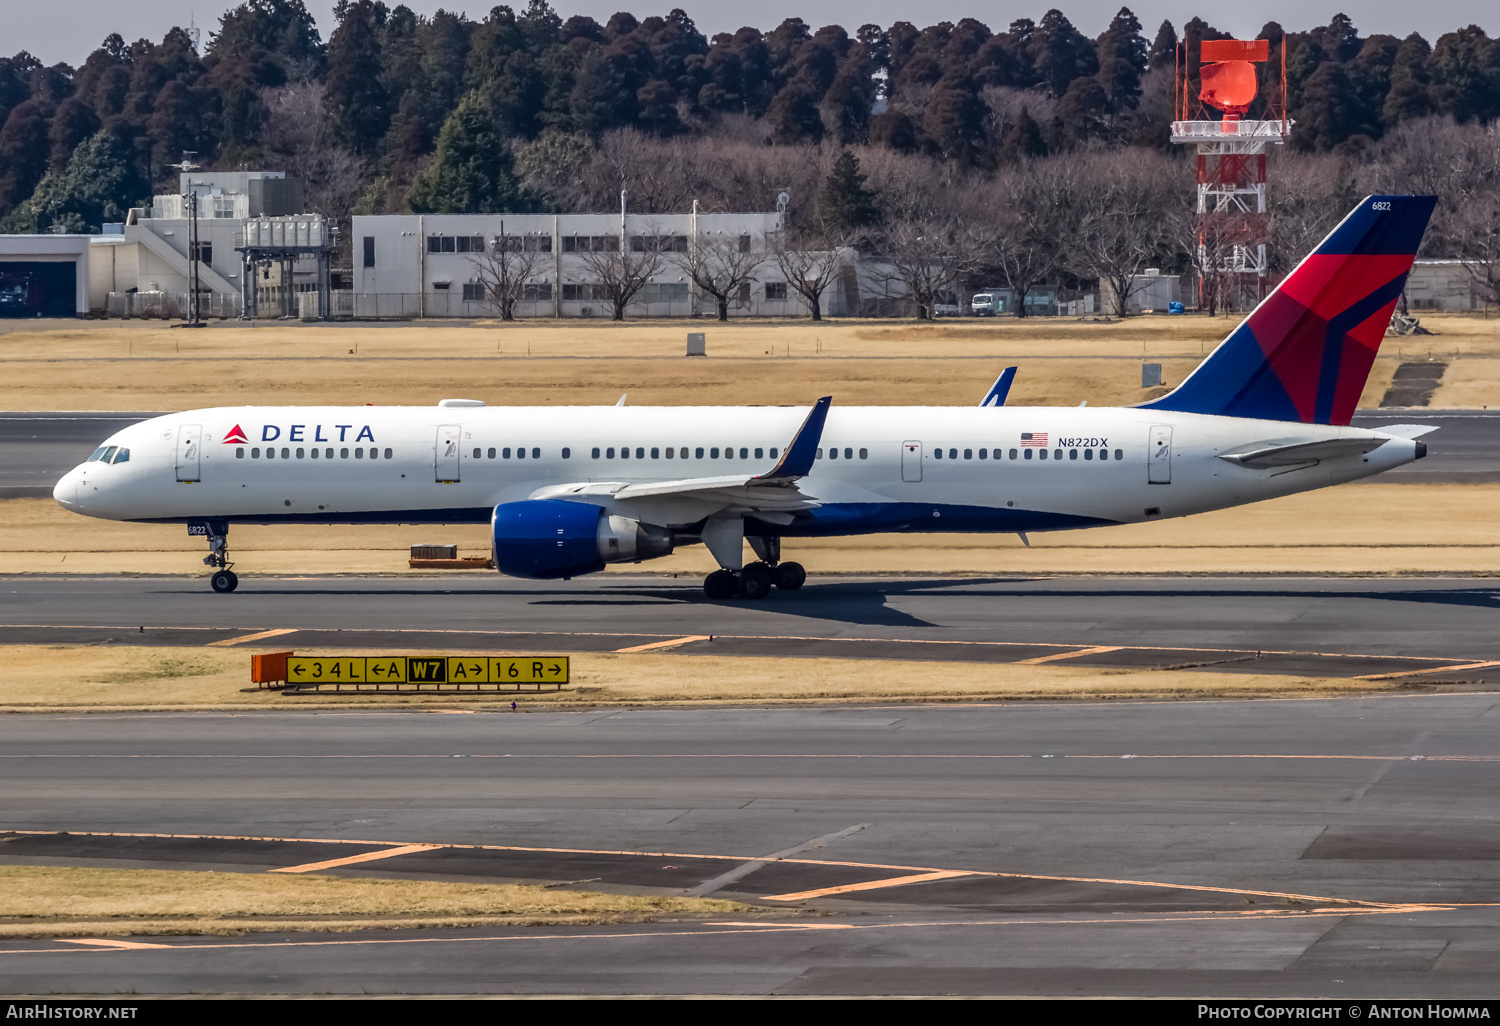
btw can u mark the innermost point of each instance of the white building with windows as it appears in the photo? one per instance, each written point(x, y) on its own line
point(429, 265)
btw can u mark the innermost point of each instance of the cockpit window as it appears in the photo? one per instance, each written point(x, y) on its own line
point(98, 454)
point(122, 455)
point(108, 455)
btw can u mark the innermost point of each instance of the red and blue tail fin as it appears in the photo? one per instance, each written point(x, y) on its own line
point(1304, 353)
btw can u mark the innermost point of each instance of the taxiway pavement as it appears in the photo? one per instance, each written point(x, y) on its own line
point(1342, 848)
point(1430, 627)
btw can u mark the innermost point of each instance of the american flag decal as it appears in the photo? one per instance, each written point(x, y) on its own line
point(1038, 439)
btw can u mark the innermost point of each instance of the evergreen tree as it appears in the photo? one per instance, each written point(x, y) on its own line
point(847, 103)
point(1023, 140)
point(471, 171)
point(954, 120)
point(98, 185)
point(1061, 53)
point(844, 204)
point(793, 117)
point(1411, 80)
point(283, 28)
point(1084, 111)
point(74, 122)
point(24, 147)
point(1122, 61)
point(1163, 53)
point(1466, 84)
point(355, 96)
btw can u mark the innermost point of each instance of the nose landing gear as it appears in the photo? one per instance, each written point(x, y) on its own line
point(224, 580)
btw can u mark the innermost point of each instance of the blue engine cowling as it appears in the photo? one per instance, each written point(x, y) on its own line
point(550, 538)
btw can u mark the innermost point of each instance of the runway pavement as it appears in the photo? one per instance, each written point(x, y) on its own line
point(1269, 849)
point(38, 448)
point(1428, 628)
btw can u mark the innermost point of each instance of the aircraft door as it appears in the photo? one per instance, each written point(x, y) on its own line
point(190, 452)
point(911, 461)
point(445, 453)
point(1159, 455)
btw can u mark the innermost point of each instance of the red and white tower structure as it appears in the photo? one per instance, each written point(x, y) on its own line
point(1231, 224)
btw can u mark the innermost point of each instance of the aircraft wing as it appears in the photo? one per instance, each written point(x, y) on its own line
point(1286, 454)
point(772, 496)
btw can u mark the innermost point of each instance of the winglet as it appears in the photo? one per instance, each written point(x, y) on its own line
point(797, 458)
point(1000, 389)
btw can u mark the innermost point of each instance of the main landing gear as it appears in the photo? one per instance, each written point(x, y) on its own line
point(755, 580)
point(224, 580)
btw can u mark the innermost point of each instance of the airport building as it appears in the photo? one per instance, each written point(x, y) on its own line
point(436, 265)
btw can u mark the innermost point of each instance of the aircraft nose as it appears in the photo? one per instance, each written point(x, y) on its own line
point(66, 492)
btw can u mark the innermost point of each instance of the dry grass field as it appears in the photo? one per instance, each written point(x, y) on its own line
point(140, 365)
point(72, 902)
point(102, 678)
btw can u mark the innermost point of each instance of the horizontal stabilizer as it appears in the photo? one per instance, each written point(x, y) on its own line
point(1286, 454)
point(1406, 430)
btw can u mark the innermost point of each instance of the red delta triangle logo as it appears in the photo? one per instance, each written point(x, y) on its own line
point(236, 434)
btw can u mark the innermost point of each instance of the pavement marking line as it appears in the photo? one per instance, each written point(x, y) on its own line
point(1349, 904)
point(673, 643)
point(870, 885)
point(1096, 650)
point(105, 942)
point(369, 856)
point(740, 872)
point(764, 637)
point(1429, 669)
point(251, 637)
point(534, 934)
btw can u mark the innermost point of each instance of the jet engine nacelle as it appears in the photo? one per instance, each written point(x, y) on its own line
point(550, 538)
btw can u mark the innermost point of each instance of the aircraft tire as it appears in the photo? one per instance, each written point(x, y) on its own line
point(224, 581)
point(789, 576)
point(755, 581)
point(720, 585)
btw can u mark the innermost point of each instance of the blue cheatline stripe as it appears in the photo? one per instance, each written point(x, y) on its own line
point(837, 518)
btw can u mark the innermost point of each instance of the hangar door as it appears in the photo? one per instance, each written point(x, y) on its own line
point(38, 288)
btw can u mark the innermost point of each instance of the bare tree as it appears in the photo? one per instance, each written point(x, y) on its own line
point(1031, 218)
point(301, 142)
point(620, 273)
point(505, 266)
point(927, 258)
point(811, 263)
point(1126, 202)
point(720, 265)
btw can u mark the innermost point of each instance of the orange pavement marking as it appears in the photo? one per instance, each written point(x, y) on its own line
point(673, 643)
point(369, 856)
point(1429, 669)
point(1381, 906)
point(869, 885)
point(106, 943)
point(1096, 650)
point(251, 637)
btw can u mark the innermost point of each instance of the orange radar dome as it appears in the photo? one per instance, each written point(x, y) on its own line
point(1229, 86)
point(1228, 72)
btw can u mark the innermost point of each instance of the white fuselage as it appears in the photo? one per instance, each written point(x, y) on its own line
point(896, 468)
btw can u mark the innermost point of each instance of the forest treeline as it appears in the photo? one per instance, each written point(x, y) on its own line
point(936, 135)
point(398, 111)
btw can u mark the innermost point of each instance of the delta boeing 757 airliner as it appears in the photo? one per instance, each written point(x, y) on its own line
point(569, 490)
